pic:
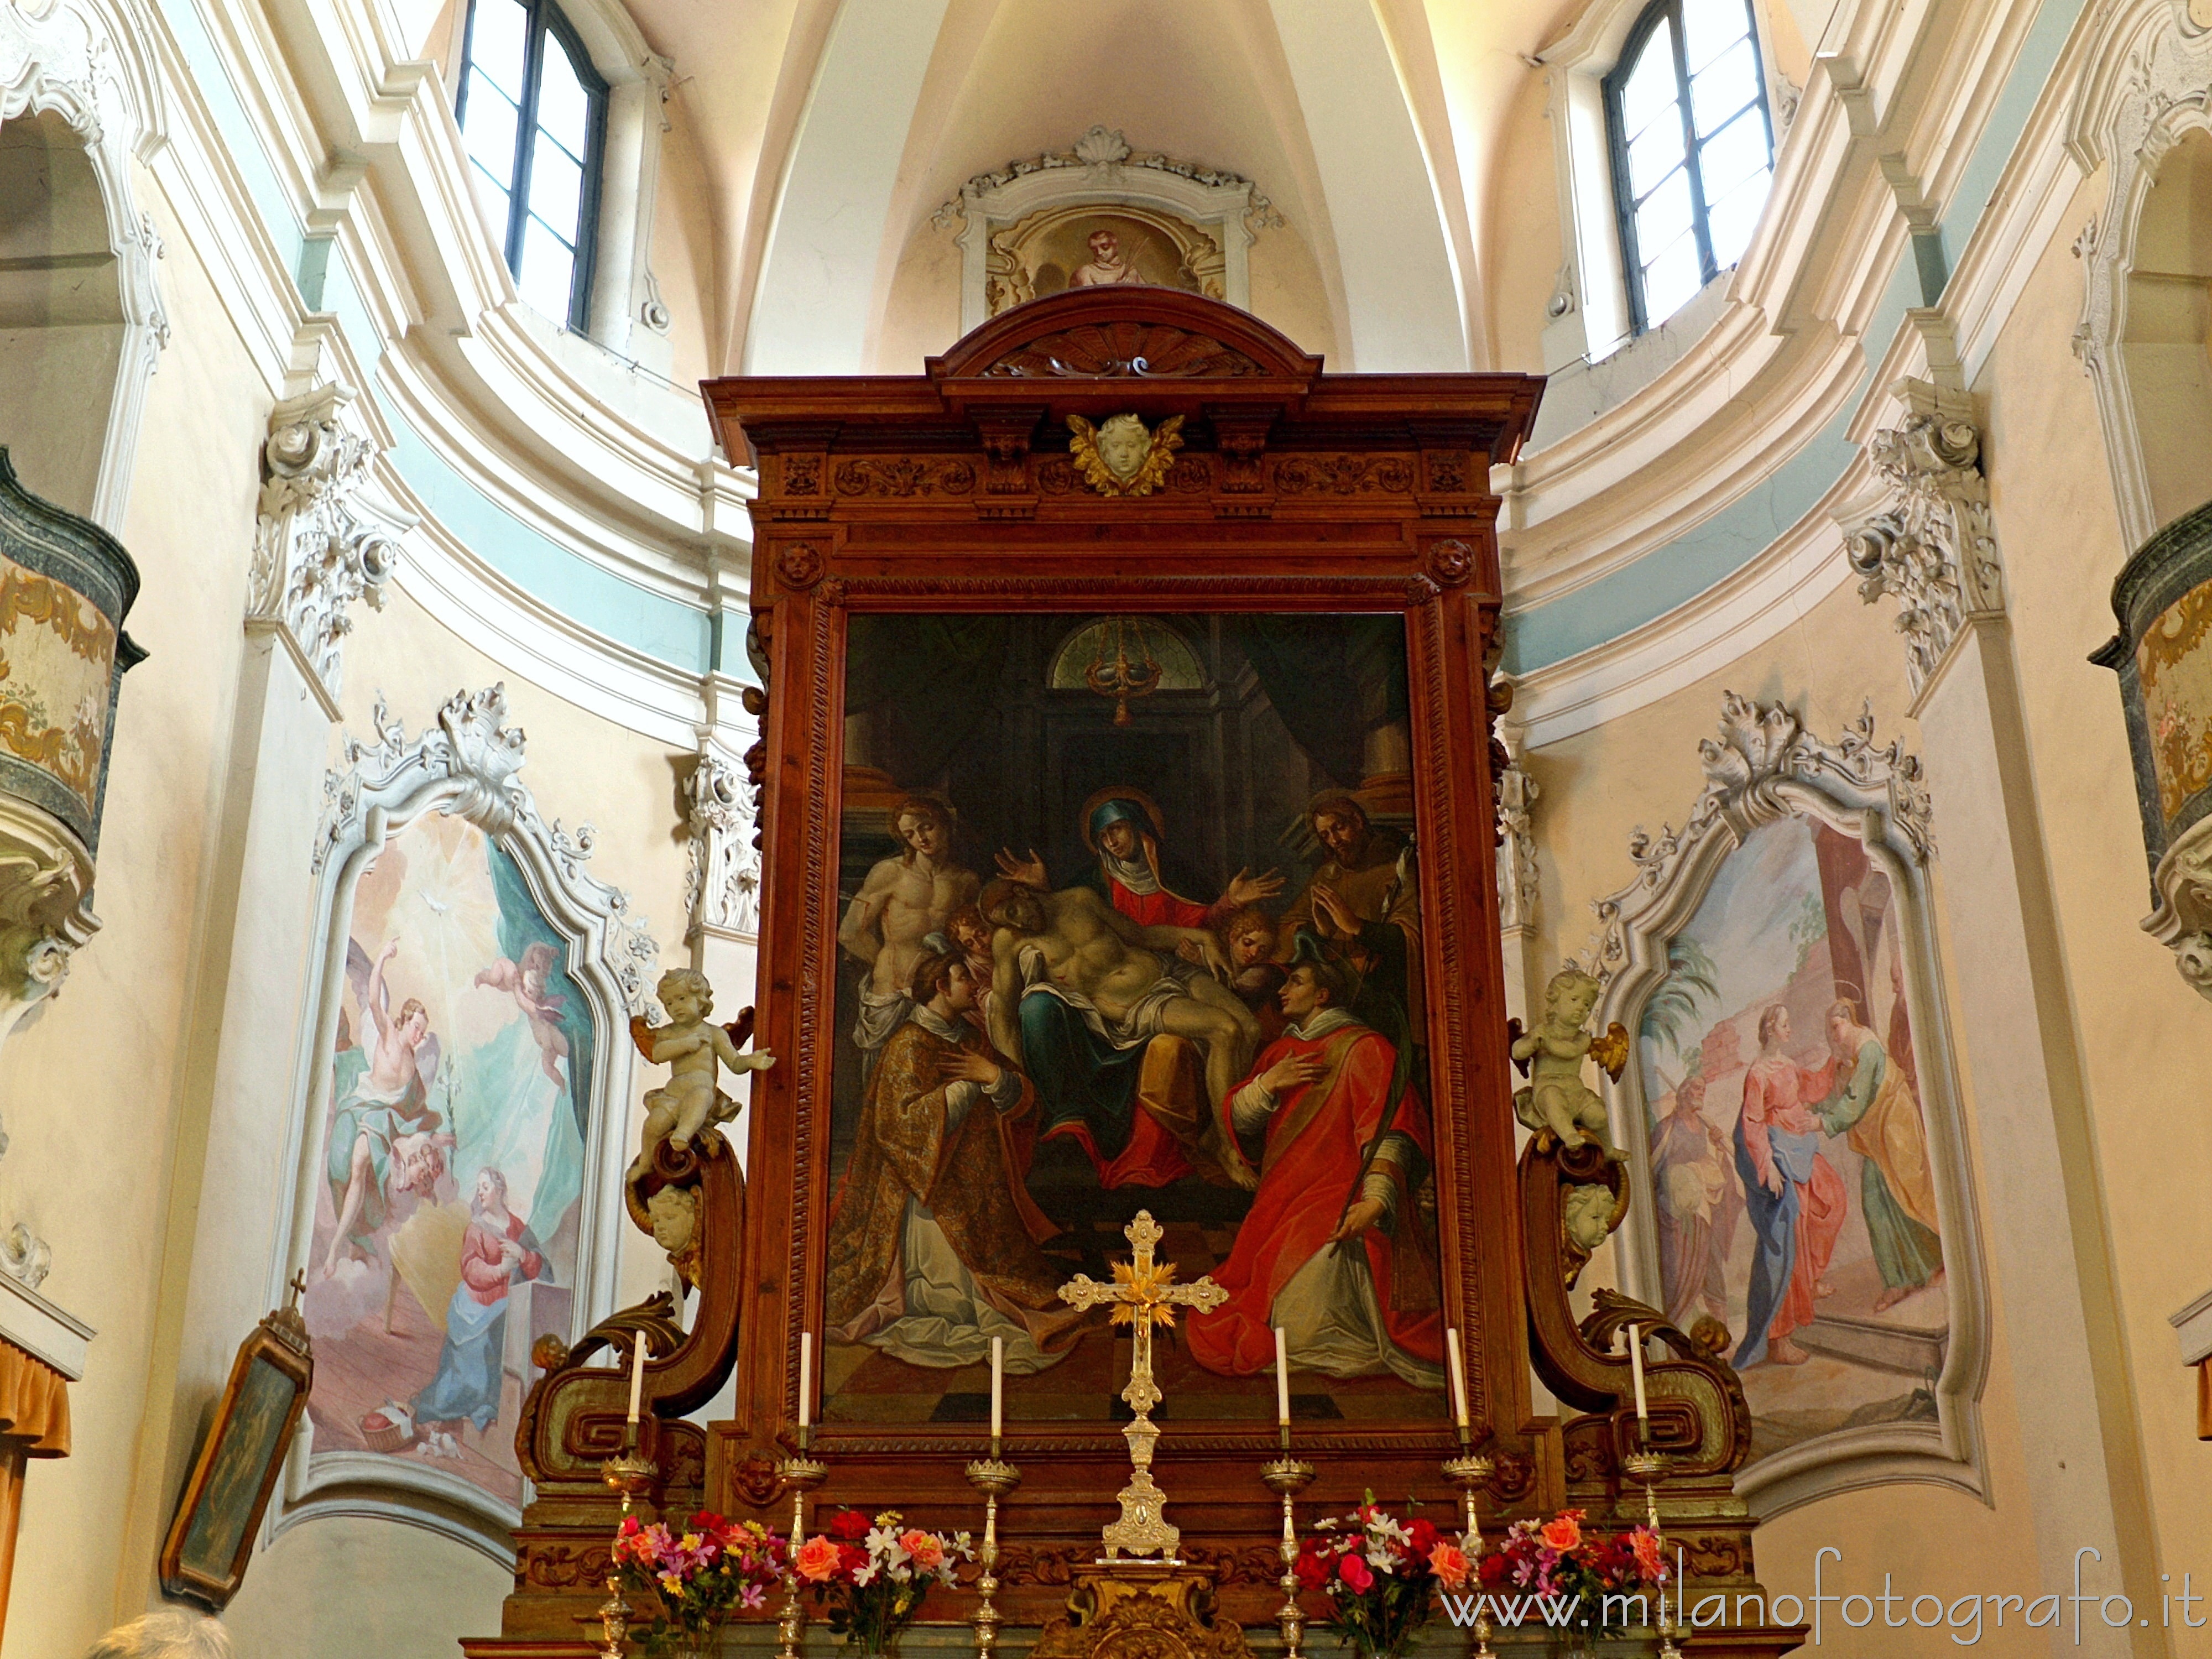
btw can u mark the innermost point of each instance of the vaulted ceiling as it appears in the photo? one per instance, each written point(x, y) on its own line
point(825, 133)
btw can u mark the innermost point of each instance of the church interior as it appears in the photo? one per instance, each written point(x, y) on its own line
point(1106, 829)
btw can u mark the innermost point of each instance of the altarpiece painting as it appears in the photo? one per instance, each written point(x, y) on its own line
point(1130, 844)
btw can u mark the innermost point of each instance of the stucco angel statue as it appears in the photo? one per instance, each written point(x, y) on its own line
point(689, 1045)
point(1557, 1102)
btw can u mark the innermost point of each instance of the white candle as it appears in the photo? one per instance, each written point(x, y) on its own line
point(637, 1376)
point(1636, 1364)
point(1282, 1378)
point(998, 1386)
point(806, 1378)
point(1458, 1375)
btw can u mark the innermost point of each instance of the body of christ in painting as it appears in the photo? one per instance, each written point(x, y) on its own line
point(1192, 988)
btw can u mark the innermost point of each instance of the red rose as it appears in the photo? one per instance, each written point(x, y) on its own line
point(1423, 1537)
point(1496, 1571)
point(849, 1524)
point(1312, 1570)
point(852, 1557)
point(1357, 1576)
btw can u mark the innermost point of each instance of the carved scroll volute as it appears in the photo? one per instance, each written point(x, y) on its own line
point(1698, 1409)
point(574, 1414)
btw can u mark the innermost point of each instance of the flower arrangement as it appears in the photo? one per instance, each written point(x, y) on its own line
point(1560, 1560)
point(700, 1574)
point(1380, 1574)
point(872, 1573)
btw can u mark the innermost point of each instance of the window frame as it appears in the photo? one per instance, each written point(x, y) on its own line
point(545, 20)
point(1616, 137)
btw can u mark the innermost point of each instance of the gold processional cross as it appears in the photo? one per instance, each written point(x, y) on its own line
point(1143, 1294)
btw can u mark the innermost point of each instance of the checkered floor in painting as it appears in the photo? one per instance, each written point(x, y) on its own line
point(864, 1386)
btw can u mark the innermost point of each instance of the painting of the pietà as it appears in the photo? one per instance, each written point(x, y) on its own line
point(1130, 919)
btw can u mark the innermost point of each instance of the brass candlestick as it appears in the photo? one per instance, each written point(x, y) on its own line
point(1649, 1467)
point(1470, 1472)
point(631, 1474)
point(800, 1475)
point(1286, 1477)
point(994, 1478)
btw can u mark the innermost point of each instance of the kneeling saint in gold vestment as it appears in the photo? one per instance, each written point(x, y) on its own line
point(934, 1238)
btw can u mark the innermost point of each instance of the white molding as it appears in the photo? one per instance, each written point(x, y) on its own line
point(90, 63)
point(2147, 86)
point(1763, 767)
point(2193, 1327)
point(464, 765)
point(44, 1330)
point(1100, 170)
point(2182, 918)
point(722, 875)
point(322, 541)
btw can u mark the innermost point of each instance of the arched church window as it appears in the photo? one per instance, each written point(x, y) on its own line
point(1692, 147)
point(533, 116)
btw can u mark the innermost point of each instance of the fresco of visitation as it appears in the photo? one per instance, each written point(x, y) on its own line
point(1788, 1151)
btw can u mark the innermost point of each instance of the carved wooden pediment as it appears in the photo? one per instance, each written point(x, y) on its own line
point(1091, 334)
point(1139, 1610)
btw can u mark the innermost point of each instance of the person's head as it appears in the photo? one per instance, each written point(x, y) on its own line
point(1569, 997)
point(1012, 904)
point(1312, 984)
point(1844, 1027)
point(490, 1193)
point(172, 1633)
point(1773, 1028)
point(922, 826)
point(536, 966)
point(1120, 838)
point(1249, 934)
point(1586, 1214)
point(1105, 246)
point(1123, 443)
point(675, 1214)
point(414, 1023)
point(1339, 824)
point(421, 1165)
point(943, 983)
point(686, 993)
point(1690, 1096)
point(969, 931)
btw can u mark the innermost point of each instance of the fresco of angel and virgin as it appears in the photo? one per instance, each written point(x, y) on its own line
point(448, 1206)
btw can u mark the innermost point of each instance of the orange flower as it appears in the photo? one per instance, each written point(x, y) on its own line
point(928, 1554)
point(1448, 1563)
point(816, 1559)
point(1649, 1560)
point(1562, 1534)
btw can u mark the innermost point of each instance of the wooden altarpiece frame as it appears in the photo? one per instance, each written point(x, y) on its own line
point(1295, 491)
point(959, 491)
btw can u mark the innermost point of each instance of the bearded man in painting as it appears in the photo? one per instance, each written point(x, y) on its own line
point(1332, 1250)
point(933, 1239)
point(906, 897)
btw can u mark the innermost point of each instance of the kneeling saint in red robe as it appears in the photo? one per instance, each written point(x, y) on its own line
point(1332, 1250)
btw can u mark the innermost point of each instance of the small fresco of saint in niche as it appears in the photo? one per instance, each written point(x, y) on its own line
point(1789, 1155)
point(1099, 249)
point(449, 1202)
point(1131, 921)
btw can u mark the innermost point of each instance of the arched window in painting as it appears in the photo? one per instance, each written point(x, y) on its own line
point(1692, 147)
point(532, 112)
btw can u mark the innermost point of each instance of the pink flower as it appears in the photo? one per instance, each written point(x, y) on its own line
point(1564, 1533)
point(928, 1552)
point(1448, 1563)
point(1353, 1571)
point(816, 1559)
